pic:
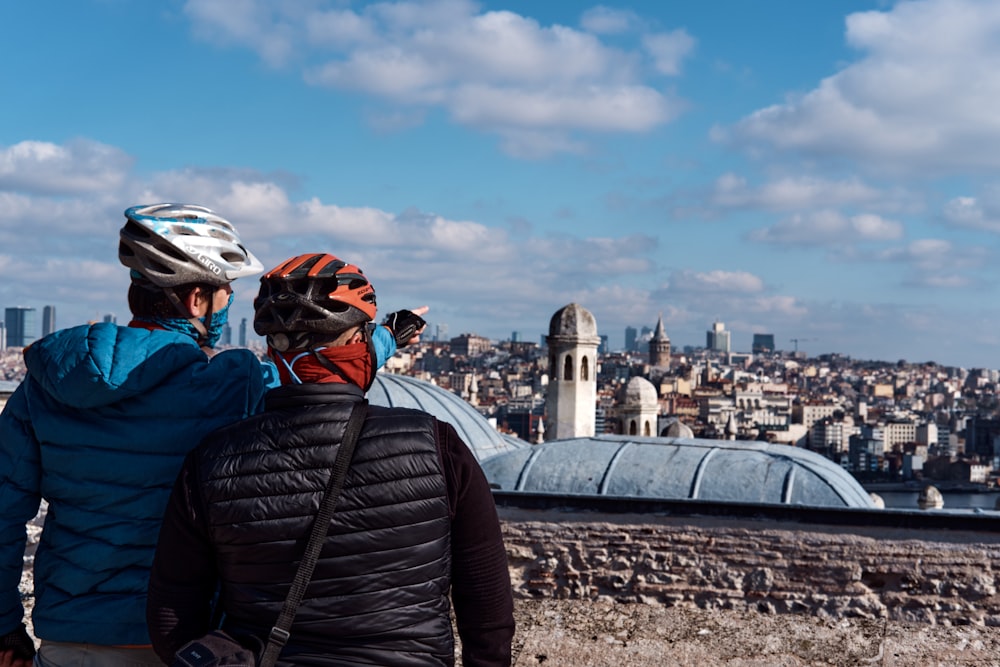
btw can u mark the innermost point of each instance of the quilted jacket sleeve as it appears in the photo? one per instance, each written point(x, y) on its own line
point(19, 501)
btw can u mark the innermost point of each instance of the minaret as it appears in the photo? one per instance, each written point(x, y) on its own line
point(639, 407)
point(572, 393)
point(474, 392)
point(659, 346)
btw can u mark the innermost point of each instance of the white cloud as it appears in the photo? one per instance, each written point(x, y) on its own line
point(535, 145)
point(603, 20)
point(79, 166)
point(495, 71)
point(66, 248)
point(826, 227)
point(777, 305)
point(718, 281)
point(938, 263)
point(273, 28)
point(620, 108)
point(791, 192)
point(982, 213)
point(926, 254)
point(669, 49)
point(922, 96)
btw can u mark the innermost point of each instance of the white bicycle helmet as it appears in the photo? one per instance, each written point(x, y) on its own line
point(183, 244)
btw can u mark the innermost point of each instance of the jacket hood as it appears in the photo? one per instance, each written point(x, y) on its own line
point(100, 364)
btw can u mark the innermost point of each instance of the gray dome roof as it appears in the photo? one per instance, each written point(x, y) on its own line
point(401, 391)
point(574, 321)
point(639, 392)
point(677, 429)
point(678, 469)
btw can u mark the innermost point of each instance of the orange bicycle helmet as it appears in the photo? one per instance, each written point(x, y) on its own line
point(311, 296)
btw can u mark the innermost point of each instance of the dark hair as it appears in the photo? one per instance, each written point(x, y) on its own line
point(152, 302)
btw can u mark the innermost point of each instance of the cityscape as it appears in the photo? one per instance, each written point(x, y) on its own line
point(882, 421)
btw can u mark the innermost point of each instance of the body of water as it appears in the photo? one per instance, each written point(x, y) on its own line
point(952, 500)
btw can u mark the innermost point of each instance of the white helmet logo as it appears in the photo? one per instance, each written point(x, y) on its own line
point(204, 259)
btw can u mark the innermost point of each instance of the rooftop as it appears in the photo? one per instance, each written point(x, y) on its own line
point(678, 469)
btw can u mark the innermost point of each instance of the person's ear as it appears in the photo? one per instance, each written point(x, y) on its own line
point(196, 302)
point(358, 336)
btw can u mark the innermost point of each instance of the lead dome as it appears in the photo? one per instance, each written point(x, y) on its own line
point(573, 320)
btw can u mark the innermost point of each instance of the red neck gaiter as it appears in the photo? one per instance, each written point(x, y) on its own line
point(144, 324)
point(355, 363)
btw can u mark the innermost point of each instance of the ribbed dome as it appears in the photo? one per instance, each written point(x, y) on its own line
point(573, 321)
point(678, 469)
point(401, 391)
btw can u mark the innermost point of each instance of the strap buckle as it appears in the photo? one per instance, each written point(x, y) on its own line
point(278, 636)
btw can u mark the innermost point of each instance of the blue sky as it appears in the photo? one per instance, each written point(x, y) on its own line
point(826, 171)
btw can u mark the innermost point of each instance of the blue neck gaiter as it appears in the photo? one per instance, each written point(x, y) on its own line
point(219, 320)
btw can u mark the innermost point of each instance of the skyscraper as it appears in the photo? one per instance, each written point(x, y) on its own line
point(717, 338)
point(630, 337)
point(21, 326)
point(243, 332)
point(48, 320)
point(110, 318)
point(763, 343)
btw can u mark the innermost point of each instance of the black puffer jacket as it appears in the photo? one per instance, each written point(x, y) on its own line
point(379, 594)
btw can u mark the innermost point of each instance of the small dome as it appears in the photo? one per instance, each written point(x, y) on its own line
point(639, 393)
point(573, 320)
point(930, 499)
point(401, 391)
point(677, 429)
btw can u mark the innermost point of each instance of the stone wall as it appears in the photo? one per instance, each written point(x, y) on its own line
point(936, 576)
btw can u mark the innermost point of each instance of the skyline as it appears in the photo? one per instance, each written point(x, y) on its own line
point(825, 172)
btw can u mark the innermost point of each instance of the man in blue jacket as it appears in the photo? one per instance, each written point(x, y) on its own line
point(100, 426)
point(99, 429)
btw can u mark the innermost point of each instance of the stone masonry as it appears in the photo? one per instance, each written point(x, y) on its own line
point(944, 577)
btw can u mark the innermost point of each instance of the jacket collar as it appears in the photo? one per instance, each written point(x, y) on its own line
point(299, 395)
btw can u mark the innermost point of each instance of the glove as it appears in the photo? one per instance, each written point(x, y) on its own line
point(19, 642)
point(404, 325)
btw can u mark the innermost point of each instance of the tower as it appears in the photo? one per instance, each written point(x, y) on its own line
point(639, 407)
point(572, 392)
point(48, 320)
point(659, 346)
point(631, 334)
point(717, 338)
point(243, 332)
point(763, 343)
point(20, 324)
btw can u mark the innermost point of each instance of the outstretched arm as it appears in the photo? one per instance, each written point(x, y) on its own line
point(398, 330)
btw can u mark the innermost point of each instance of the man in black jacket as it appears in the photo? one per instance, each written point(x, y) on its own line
point(415, 529)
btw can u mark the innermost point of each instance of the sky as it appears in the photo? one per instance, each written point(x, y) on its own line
point(828, 172)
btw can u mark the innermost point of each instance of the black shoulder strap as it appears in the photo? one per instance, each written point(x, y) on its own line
point(279, 633)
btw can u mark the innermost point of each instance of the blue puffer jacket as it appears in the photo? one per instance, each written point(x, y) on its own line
point(99, 429)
